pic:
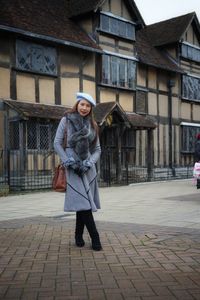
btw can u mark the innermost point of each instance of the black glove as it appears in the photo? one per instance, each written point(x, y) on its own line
point(83, 169)
point(75, 166)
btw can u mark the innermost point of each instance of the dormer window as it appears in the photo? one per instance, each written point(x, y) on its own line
point(190, 52)
point(118, 26)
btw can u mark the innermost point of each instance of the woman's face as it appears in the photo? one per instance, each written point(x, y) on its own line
point(84, 107)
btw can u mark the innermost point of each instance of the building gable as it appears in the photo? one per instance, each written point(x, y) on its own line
point(128, 8)
point(192, 35)
point(170, 31)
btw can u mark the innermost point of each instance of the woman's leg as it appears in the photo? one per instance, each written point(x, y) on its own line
point(79, 230)
point(89, 222)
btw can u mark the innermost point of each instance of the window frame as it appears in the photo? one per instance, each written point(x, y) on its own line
point(188, 137)
point(37, 136)
point(190, 51)
point(113, 69)
point(113, 24)
point(28, 54)
point(185, 88)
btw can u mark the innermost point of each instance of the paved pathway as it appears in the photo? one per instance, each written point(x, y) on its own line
point(174, 203)
point(151, 246)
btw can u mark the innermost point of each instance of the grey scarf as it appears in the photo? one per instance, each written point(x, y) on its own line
point(82, 134)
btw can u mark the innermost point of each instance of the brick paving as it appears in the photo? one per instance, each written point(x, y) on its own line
point(39, 261)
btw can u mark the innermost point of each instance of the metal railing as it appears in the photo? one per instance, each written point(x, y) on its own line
point(4, 184)
point(34, 170)
point(133, 169)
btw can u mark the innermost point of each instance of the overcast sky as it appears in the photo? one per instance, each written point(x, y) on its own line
point(153, 11)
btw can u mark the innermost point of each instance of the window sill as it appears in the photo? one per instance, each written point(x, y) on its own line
point(131, 40)
point(187, 152)
point(190, 100)
point(35, 72)
point(117, 87)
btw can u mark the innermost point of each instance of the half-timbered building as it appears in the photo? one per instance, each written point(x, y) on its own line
point(145, 80)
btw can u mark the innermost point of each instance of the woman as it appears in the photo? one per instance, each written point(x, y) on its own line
point(82, 152)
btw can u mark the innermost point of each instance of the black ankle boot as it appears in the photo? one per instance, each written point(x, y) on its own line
point(96, 244)
point(91, 227)
point(79, 240)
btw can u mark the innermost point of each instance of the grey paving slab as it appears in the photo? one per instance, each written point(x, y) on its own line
point(173, 203)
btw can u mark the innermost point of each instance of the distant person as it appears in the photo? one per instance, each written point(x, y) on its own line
point(196, 174)
point(197, 149)
point(80, 156)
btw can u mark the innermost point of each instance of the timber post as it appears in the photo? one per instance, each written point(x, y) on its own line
point(149, 154)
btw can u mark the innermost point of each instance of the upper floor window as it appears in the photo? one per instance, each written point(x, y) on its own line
point(117, 26)
point(191, 87)
point(36, 58)
point(191, 52)
point(118, 71)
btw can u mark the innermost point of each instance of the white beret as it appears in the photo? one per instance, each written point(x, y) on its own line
point(81, 96)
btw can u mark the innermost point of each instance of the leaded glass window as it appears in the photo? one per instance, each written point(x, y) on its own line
point(122, 72)
point(40, 136)
point(117, 26)
point(190, 87)
point(131, 74)
point(114, 71)
point(117, 71)
point(189, 137)
point(44, 137)
point(36, 58)
point(190, 52)
point(31, 135)
point(106, 69)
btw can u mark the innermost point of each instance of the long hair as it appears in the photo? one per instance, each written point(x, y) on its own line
point(92, 120)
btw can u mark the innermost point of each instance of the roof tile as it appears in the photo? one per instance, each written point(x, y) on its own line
point(168, 31)
point(46, 17)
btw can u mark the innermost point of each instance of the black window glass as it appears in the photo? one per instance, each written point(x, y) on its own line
point(36, 58)
point(14, 135)
point(189, 137)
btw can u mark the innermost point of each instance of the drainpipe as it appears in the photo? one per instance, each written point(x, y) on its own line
point(171, 84)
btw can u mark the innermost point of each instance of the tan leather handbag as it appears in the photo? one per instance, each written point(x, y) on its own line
point(59, 181)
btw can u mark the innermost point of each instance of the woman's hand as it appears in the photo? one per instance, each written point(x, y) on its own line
point(82, 170)
point(87, 163)
point(69, 162)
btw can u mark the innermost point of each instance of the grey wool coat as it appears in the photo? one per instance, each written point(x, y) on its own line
point(82, 191)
